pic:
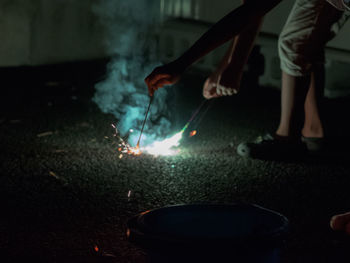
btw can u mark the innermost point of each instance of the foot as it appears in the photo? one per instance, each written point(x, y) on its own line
point(216, 86)
point(214, 90)
point(313, 139)
point(272, 148)
point(314, 144)
point(341, 222)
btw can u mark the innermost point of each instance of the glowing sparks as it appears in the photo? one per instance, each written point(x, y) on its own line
point(193, 133)
point(54, 175)
point(162, 147)
point(134, 150)
point(129, 193)
point(96, 248)
point(165, 147)
point(44, 134)
point(123, 146)
point(168, 146)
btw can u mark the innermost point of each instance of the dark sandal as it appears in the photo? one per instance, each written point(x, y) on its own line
point(272, 148)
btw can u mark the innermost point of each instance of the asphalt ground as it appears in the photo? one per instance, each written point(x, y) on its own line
point(64, 190)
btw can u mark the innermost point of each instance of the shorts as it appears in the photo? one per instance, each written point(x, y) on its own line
point(310, 25)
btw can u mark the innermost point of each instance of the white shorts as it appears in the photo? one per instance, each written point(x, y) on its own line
point(310, 25)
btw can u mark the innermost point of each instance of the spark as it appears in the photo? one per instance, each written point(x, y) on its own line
point(129, 193)
point(54, 175)
point(123, 146)
point(193, 133)
point(43, 134)
point(134, 150)
point(166, 146)
point(96, 248)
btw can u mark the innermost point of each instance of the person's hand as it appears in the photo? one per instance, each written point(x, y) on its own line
point(219, 84)
point(164, 75)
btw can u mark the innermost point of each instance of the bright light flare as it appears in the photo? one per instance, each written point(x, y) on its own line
point(134, 150)
point(166, 146)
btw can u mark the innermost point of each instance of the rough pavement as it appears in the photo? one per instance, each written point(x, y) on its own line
point(64, 191)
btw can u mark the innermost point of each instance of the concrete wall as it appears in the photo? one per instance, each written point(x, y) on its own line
point(212, 11)
point(35, 32)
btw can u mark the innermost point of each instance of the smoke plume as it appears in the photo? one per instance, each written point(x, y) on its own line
point(130, 27)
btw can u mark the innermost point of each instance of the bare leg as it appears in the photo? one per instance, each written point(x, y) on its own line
point(302, 52)
point(242, 47)
point(313, 126)
point(298, 94)
point(294, 90)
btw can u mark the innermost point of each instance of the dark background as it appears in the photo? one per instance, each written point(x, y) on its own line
point(64, 190)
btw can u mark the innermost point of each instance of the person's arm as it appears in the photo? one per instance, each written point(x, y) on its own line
point(228, 27)
point(224, 30)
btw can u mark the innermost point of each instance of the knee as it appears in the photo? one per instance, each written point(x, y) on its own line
point(294, 56)
point(285, 46)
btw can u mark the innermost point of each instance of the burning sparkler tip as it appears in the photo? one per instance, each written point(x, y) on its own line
point(96, 248)
point(193, 133)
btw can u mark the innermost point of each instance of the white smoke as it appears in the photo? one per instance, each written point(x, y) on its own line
point(130, 27)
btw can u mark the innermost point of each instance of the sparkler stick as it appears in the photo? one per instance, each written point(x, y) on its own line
point(194, 115)
point(201, 117)
point(197, 111)
point(144, 122)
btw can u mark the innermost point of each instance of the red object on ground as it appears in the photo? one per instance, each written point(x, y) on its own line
point(193, 133)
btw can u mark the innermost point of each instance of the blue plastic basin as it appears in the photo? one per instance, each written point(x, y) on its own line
point(210, 233)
